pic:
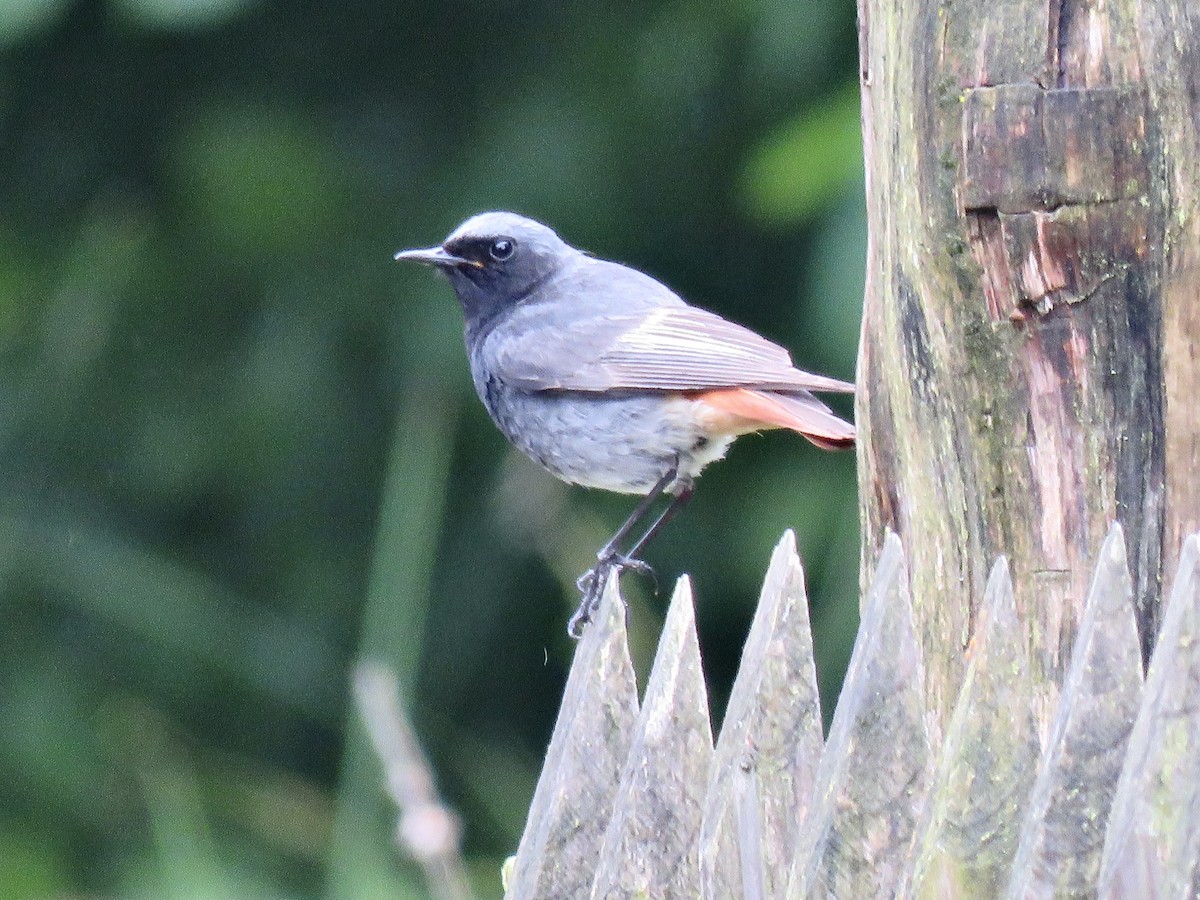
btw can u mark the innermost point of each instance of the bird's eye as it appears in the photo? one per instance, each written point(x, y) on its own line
point(502, 249)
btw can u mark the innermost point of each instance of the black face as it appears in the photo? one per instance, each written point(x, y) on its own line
point(492, 273)
point(501, 259)
point(483, 253)
point(495, 260)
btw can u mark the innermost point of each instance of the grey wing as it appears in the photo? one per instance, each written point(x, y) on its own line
point(675, 348)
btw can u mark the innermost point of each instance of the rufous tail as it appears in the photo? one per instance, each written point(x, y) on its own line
point(799, 410)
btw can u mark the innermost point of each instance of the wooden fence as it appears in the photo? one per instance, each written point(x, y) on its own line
point(635, 800)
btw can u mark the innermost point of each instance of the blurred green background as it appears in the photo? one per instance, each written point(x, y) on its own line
point(240, 446)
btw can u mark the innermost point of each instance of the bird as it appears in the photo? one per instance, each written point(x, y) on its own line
point(608, 379)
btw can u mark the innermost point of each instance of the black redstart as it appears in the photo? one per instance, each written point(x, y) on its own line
point(608, 379)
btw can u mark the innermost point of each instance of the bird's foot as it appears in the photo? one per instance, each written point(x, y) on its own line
point(591, 586)
point(592, 581)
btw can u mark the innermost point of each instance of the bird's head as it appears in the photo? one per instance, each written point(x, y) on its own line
point(494, 260)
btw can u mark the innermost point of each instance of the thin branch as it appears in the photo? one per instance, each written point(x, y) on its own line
point(427, 830)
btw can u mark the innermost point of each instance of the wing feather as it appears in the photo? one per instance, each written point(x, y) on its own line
point(675, 348)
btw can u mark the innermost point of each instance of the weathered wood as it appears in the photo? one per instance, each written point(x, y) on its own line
point(1049, 152)
point(986, 765)
point(750, 839)
point(875, 771)
point(651, 845)
point(770, 742)
point(1063, 833)
point(882, 820)
point(1169, 35)
point(571, 806)
point(1183, 874)
point(1027, 367)
point(1150, 849)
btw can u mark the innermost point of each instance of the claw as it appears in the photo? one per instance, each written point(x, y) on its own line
point(640, 566)
point(579, 620)
point(586, 582)
point(623, 563)
point(635, 565)
point(591, 585)
point(648, 571)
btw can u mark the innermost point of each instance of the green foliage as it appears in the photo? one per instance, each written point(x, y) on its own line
point(240, 446)
point(181, 14)
point(258, 181)
point(22, 19)
point(806, 162)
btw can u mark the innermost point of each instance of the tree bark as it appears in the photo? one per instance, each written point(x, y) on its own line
point(1028, 365)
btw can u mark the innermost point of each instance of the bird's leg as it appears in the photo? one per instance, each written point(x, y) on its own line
point(678, 502)
point(610, 557)
point(610, 551)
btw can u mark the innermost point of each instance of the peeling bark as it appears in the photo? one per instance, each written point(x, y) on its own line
point(1029, 341)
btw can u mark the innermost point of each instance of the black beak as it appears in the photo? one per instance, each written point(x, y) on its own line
point(435, 256)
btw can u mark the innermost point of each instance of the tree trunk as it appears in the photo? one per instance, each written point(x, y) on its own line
point(1028, 361)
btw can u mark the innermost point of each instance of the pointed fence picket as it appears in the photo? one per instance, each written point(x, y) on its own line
point(969, 834)
point(637, 802)
point(765, 765)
